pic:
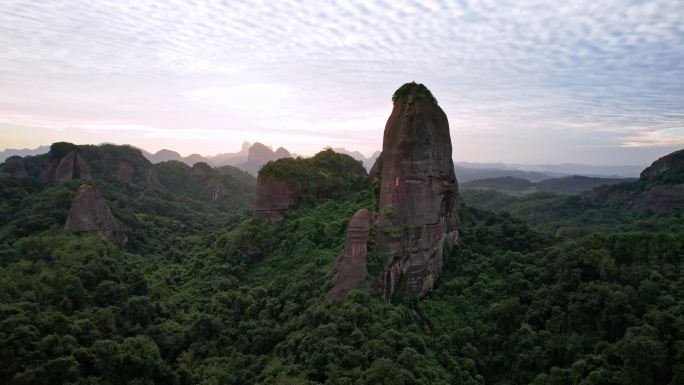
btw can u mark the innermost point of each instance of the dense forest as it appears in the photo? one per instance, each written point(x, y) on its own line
point(542, 289)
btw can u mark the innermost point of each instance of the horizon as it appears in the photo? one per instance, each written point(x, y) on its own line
point(584, 83)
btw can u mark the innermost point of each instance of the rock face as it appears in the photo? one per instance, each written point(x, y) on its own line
point(351, 266)
point(71, 166)
point(14, 167)
point(663, 164)
point(273, 197)
point(90, 214)
point(418, 194)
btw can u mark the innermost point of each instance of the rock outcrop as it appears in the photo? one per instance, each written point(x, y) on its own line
point(71, 166)
point(14, 167)
point(663, 164)
point(274, 196)
point(659, 189)
point(418, 194)
point(90, 214)
point(351, 266)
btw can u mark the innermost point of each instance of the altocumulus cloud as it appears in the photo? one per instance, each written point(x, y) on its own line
point(512, 76)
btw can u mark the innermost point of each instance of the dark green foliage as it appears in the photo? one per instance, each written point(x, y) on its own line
point(60, 149)
point(553, 290)
point(326, 175)
point(413, 91)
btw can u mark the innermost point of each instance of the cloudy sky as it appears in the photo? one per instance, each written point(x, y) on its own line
point(596, 82)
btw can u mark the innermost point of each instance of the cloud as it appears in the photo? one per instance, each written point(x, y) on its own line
point(571, 72)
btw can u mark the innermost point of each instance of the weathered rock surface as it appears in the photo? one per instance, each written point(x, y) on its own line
point(90, 214)
point(274, 196)
point(351, 266)
point(418, 194)
point(14, 167)
point(71, 166)
point(663, 164)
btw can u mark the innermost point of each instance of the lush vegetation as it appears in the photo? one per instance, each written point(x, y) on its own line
point(326, 175)
point(202, 293)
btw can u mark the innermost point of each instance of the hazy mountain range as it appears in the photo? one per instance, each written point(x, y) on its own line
point(465, 171)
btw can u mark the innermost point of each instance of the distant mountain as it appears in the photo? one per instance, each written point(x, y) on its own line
point(367, 162)
point(467, 174)
point(628, 171)
point(558, 170)
point(567, 185)
point(502, 183)
point(576, 183)
point(260, 154)
point(23, 152)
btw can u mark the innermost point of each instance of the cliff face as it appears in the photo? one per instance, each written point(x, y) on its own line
point(273, 197)
point(71, 166)
point(90, 214)
point(351, 266)
point(663, 164)
point(418, 194)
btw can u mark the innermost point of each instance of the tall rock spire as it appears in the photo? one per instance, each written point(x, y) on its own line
point(418, 194)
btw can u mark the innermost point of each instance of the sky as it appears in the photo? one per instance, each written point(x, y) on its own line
point(593, 82)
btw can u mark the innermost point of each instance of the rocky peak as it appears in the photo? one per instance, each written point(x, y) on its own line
point(351, 266)
point(418, 193)
point(663, 164)
point(282, 153)
point(89, 213)
point(259, 152)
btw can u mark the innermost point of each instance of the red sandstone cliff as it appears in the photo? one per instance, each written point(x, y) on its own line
point(418, 194)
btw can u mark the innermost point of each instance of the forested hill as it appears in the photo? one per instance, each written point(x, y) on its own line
point(551, 290)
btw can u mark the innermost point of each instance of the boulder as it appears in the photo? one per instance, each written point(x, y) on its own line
point(90, 214)
point(418, 201)
point(14, 167)
point(351, 266)
point(663, 164)
point(274, 196)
